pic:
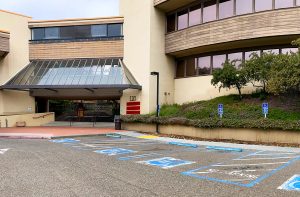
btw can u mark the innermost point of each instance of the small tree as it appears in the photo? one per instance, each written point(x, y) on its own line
point(257, 69)
point(229, 77)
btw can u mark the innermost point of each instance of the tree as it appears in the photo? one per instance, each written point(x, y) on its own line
point(285, 74)
point(257, 69)
point(229, 77)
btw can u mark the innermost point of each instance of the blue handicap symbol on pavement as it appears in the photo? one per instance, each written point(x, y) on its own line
point(166, 162)
point(115, 151)
point(293, 184)
point(66, 140)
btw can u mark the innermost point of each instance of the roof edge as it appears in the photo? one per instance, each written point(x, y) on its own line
point(14, 13)
point(76, 19)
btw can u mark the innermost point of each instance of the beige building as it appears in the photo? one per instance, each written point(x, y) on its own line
point(110, 59)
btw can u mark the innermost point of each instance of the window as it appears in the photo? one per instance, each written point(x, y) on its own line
point(99, 30)
point(209, 11)
point(289, 50)
point(225, 8)
point(72, 32)
point(180, 71)
point(171, 23)
point(204, 65)
point(38, 34)
point(284, 3)
point(298, 2)
point(237, 57)
point(52, 33)
point(261, 5)
point(191, 67)
point(182, 20)
point(249, 54)
point(195, 15)
point(218, 61)
point(275, 51)
point(243, 6)
point(114, 30)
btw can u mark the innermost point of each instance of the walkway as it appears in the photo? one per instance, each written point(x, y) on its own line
point(53, 131)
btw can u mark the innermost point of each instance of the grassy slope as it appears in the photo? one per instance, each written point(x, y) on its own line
point(284, 108)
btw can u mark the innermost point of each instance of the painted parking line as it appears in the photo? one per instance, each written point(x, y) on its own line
point(166, 162)
point(115, 151)
point(3, 151)
point(138, 156)
point(219, 148)
point(293, 184)
point(246, 173)
point(148, 137)
point(65, 140)
point(183, 144)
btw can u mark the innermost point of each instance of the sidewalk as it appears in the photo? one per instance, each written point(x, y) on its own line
point(51, 132)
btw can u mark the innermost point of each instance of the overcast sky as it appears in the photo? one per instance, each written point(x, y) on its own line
point(60, 9)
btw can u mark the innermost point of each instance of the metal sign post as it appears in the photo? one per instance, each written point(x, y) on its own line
point(221, 110)
point(265, 109)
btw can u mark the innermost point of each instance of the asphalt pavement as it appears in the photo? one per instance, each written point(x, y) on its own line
point(116, 165)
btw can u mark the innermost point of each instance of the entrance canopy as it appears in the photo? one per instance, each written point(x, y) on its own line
point(74, 79)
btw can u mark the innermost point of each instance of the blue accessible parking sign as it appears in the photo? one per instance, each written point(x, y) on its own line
point(265, 108)
point(293, 184)
point(166, 162)
point(115, 151)
point(220, 110)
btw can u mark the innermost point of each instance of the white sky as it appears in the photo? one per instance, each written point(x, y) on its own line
point(60, 9)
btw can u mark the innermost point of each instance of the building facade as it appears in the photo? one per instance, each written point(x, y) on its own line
point(183, 40)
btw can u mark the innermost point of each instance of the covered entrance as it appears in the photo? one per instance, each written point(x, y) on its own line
point(86, 90)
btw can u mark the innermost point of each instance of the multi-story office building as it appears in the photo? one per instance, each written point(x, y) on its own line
point(111, 58)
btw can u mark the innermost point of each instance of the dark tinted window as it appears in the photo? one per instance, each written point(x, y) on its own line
point(38, 34)
point(218, 61)
point(191, 67)
point(99, 30)
point(171, 23)
point(195, 15)
point(114, 30)
point(182, 20)
point(75, 32)
point(52, 33)
point(204, 65)
point(180, 71)
point(225, 8)
point(209, 11)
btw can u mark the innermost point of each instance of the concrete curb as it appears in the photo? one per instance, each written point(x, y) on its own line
point(221, 144)
point(25, 136)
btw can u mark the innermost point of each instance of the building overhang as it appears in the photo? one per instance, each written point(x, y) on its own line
point(170, 5)
point(74, 79)
point(4, 43)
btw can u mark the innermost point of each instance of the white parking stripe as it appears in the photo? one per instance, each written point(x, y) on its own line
point(252, 164)
point(263, 158)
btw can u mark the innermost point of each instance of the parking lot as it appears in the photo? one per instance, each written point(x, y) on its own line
point(120, 165)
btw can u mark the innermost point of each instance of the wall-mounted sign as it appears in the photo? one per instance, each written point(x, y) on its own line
point(133, 107)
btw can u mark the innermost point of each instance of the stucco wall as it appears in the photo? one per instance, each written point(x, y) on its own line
point(199, 88)
point(144, 46)
point(31, 120)
point(17, 58)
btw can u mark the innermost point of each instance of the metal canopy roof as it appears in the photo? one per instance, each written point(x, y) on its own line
point(73, 74)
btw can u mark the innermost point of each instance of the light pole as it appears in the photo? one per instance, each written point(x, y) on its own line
point(157, 95)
